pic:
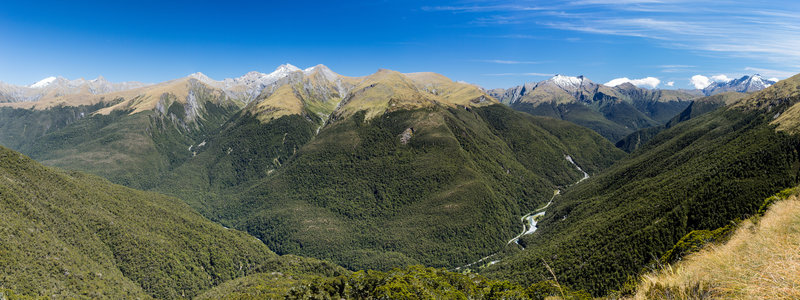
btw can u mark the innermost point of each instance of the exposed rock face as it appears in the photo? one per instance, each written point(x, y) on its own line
point(406, 135)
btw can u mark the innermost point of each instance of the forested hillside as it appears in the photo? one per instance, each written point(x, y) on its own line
point(699, 174)
point(68, 234)
point(438, 186)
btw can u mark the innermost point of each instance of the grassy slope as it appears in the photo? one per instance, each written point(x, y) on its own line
point(697, 175)
point(71, 235)
point(760, 261)
point(359, 196)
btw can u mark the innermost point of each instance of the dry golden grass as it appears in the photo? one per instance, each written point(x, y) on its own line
point(138, 99)
point(761, 261)
point(377, 93)
point(282, 102)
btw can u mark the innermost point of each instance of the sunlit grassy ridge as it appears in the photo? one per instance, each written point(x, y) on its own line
point(387, 91)
point(760, 261)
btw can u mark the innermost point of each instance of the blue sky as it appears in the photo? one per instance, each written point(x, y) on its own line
point(490, 43)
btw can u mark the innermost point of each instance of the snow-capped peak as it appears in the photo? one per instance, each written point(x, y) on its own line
point(744, 84)
point(287, 68)
point(43, 83)
point(567, 81)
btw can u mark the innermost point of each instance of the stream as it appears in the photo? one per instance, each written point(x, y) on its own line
point(530, 219)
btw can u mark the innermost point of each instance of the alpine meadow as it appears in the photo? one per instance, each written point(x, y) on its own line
point(457, 159)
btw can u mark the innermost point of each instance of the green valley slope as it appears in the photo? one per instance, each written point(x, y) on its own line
point(72, 235)
point(378, 171)
point(698, 175)
point(407, 169)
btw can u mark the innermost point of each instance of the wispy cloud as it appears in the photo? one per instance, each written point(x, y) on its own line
point(676, 68)
point(614, 2)
point(765, 31)
point(508, 62)
point(773, 73)
point(518, 36)
point(734, 30)
point(520, 74)
point(484, 8)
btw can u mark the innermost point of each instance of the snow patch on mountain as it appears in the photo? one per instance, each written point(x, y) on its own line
point(745, 84)
point(43, 83)
point(249, 86)
point(567, 82)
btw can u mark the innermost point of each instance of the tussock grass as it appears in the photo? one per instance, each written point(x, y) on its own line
point(761, 261)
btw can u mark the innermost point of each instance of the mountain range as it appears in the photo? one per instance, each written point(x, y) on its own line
point(377, 172)
point(612, 111)
point(55, 87)
point(407, 150)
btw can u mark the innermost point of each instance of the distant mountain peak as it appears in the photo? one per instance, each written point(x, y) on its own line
point(43, 83)
point(568, 82)
point(315, 68)
point(287, 67)
point(322, 69)
point(744, 84)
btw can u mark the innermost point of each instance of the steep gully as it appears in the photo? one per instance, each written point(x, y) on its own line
point(530, 219)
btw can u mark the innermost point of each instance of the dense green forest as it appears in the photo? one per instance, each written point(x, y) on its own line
point(698, 175)
point(68, 234)
point(697, 107)
point(414, 282)
point(610, 117)
point(361, 196)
